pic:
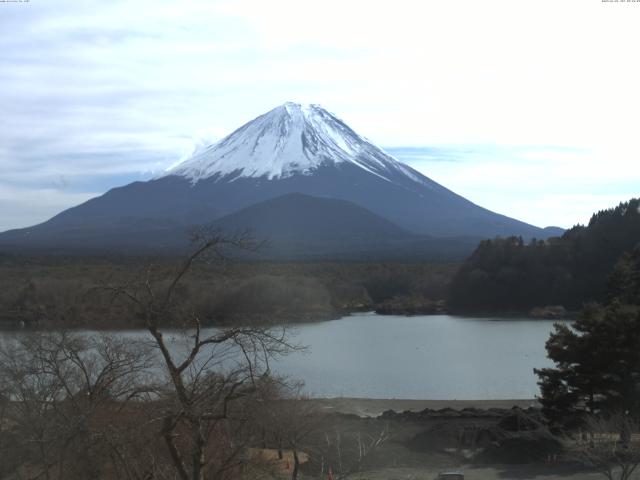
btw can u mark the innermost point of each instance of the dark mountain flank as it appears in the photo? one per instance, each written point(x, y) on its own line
point(291, 149)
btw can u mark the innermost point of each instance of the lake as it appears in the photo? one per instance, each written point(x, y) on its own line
point(438, 357)
point(435, 357)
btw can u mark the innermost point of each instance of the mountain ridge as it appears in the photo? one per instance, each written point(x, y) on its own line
point(293, 226)
point(290, 149)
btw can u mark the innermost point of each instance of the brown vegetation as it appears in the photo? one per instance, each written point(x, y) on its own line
point(65, 292)
point(84, 406)
point(610, 444)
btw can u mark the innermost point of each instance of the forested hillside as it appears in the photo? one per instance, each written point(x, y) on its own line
point(509, 274)
point(68, 292)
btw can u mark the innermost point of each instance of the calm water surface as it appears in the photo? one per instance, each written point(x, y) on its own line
point(436, 357)
point(424, 357)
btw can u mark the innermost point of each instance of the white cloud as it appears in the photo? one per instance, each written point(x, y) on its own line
point(540, 185)
point(119, 87)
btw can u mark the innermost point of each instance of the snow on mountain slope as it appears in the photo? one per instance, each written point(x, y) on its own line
point(293, 149)
point(290, 139)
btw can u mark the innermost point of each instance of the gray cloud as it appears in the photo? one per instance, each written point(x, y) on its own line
point(73, 110)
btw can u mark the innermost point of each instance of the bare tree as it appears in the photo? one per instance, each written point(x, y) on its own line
point(7, 458)
point(69, 400)
point(292, 422)
point(214, 373)
point(610, 445)
point(289, 420)
point(63, 391)
point(349, 455)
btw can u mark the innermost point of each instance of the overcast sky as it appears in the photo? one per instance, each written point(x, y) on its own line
point(527, 107)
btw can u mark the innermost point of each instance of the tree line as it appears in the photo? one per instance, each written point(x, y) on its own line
point(61, 292)
point(510, 274)
point(592, 393)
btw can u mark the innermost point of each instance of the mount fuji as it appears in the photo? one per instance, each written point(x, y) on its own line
point(292, 149)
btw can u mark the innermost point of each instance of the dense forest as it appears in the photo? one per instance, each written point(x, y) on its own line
point(597, 360)
point(510, 274)
point(69, 292)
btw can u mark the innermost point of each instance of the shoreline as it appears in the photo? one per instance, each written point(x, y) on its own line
point(13, 326)
point(373, 407)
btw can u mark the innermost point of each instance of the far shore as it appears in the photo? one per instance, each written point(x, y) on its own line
point(373, 407)
point(13, 325)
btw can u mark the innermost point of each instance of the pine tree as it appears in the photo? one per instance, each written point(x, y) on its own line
point(597, 364)
point(624, 280)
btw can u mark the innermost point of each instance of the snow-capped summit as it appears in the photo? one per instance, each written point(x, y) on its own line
point(290, 139)
point(297, 173)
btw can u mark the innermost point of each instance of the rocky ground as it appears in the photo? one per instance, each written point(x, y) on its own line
point(487, 440)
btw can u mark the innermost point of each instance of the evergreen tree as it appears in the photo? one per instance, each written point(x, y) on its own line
point(597, 364)
point(624, 281)
point(507, 274)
